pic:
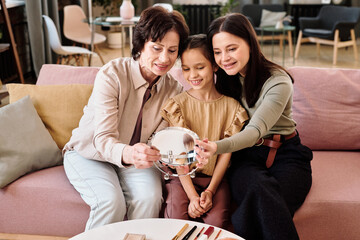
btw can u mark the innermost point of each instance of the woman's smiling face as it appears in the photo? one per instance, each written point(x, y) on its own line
point(231, 53)
point(157, 58)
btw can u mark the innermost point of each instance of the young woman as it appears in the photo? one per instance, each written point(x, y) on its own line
point(271, 173)
point(205, 111)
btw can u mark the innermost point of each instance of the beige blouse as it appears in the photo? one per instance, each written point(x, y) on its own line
point(110, 116)
point(214, 120)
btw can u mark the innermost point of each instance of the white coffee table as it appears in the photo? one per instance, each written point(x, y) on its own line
point(153, 228)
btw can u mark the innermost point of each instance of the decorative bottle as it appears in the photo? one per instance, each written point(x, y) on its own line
point(127, 10)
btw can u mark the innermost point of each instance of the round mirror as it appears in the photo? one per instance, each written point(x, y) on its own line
point(176, 146)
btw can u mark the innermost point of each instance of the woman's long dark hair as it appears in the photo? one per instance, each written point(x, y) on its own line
point(259, 69)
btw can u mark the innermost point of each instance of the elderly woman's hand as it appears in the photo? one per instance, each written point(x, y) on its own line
point(204, 149)
point(140, 155)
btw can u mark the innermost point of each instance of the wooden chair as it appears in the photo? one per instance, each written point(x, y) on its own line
point(12, 45)
point(334, 26)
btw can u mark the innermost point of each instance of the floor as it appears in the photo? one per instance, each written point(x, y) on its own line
point(28, 237)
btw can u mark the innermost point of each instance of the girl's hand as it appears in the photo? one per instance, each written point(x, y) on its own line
point(140, 155)
point(206, 200)
point(194, 208)
point(205, 149)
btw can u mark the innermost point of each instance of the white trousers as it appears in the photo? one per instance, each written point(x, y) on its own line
point(110, 190)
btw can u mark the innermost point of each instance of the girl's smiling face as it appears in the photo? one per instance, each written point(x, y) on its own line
point(197, 69)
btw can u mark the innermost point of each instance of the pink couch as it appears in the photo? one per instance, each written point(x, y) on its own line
point(326, 108)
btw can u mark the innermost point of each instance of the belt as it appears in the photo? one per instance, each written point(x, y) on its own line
point(273, 142)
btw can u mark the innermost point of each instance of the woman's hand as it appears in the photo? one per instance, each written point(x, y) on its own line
point(206, 200)
point(194, 208)
point(140, 155)
point(204, 149)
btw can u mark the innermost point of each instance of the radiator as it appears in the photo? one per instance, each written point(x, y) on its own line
point(199, 17)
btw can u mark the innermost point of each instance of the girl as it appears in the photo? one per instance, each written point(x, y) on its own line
point(210, 114)
point(269, 159)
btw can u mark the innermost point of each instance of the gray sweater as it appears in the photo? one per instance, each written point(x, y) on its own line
point(272, 114)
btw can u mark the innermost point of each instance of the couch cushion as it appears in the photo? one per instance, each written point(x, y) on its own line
point(54, 74)
point(269, 18)
point(326, 107)
point(331, 209)
point(45, 204)
point(25, 144)
point(59, 106)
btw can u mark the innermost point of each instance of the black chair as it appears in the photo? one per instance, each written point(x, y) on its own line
point(334, 25)
point(254, 12)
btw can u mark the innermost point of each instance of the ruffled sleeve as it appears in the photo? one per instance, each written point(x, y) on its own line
point(240, 118)
point(171, 112)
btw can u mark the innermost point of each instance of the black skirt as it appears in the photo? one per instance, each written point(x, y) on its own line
point(267, 198)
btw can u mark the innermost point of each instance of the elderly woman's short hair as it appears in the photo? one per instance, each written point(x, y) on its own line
point(154, 23)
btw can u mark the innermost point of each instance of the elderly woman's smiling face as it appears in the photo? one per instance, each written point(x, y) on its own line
point(157, 58)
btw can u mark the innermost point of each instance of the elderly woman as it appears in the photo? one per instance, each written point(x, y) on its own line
point(107, 159)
